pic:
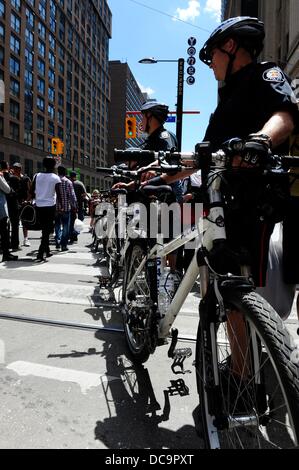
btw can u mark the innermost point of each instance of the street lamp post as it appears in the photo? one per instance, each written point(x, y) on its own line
point(180, 93)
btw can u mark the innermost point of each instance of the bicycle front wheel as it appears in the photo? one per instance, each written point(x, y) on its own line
point(139, 319)
point(257, 406)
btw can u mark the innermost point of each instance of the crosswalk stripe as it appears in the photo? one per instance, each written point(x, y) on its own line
point(48, 292)
point(58, 268)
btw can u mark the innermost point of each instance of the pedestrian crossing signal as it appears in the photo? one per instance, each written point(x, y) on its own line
point(131, 128)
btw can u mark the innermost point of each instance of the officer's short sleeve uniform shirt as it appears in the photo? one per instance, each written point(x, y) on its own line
point(248, 100)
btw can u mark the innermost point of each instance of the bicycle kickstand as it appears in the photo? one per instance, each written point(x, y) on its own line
point(178, 355)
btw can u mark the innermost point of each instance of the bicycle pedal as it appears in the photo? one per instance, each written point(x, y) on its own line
point(179, 356)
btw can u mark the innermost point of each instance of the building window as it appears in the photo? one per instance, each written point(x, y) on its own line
point(41, 67)
point(42, 10)
point(41, 86)
point(51, 76)
point(40, 123)
point(15, 23)
point(14, 131)
point(51, 129)
point(30, 18)
point(52, 41)
point(2, 32)
point(28, 121)
point(60, 100)
point(41, 30)
point(28, 167)
point(40, 141)
point(14, 44)
point(41, 48)
point(40, 103)
point(51, 94)
point(60, 116)
point(14, 87)
point(2, 9)
point(52, 25)
point(14, 109)
point(28, 78)
point(51, 59)
point(29, 38)
point(28, 58)
point(61, 67)
point(14, 66)
point(51, 111)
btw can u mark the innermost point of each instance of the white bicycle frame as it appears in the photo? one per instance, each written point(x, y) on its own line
point(211, 231)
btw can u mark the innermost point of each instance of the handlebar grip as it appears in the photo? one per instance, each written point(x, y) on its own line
point(147, 156)
point(105, 171)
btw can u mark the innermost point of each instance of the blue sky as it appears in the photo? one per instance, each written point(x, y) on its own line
point(139, 32)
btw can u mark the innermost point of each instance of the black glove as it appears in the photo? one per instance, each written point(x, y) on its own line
point(156, 181)
point(256, 149)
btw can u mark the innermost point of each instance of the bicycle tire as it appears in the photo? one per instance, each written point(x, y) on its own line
point(140, 323)
point(274, 355)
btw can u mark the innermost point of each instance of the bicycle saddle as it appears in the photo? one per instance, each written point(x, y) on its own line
point(115, 192)
point(149, 190)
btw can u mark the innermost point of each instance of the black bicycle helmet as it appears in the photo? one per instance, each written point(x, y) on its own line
point(158, 110)
point(247, 31)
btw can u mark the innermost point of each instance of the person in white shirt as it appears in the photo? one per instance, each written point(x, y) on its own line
point(46, 190)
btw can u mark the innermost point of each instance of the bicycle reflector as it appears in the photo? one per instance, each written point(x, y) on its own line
point(131, 127)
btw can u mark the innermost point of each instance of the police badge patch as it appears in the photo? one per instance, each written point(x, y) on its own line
point(274, 75)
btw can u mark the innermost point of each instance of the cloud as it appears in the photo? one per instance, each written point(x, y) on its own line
point(147, 90)
point(189, 13)
point(214, 8)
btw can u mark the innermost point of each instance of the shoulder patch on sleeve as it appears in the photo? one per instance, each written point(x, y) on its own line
point(274, 75)
point(165, 135)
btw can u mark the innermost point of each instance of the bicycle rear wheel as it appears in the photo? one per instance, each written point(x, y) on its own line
point(259, 407)
point(139, 318)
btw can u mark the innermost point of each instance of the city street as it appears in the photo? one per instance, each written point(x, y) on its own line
point(63, 387)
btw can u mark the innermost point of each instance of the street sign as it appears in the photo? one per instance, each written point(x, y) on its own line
point(191, 51)
point(170, 119)
point(191, 60)
point(192, 41)
point(190, 80)
point(191, 70)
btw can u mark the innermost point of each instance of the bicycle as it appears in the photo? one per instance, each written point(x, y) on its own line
point(260, 407)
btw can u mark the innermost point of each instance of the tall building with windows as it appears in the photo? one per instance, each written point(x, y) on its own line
point(125, 96)
point(54, 64)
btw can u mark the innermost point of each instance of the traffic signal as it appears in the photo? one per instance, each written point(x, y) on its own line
point(57, 146)
point(131, 129)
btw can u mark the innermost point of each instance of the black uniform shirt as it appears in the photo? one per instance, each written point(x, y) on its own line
point(160, 140)
point(248, 100)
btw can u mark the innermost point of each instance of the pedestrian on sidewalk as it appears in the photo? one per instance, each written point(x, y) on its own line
point(12, 204)
point(4, 230)
point(81, 195)
point(64, 209)
point(46, 189)
point(23, 194)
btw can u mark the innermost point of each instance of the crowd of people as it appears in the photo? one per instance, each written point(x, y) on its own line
point(57, 200)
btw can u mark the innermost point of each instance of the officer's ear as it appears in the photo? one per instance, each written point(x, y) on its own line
point(230, 46)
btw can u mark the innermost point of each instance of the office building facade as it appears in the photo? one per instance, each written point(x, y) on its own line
point(281, 18)
point(125, 96)
point(54, 64)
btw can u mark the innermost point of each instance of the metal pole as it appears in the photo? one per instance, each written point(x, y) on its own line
point(180, 98)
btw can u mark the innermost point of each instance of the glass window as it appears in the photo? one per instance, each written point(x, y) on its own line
point(16, 4)
point(14, 87)
point(14, 44)
point(2, 31)
point(51, 94)
point(51, 111)
point(30, 17)
point(28, 140)
point(28, 120)
point(60, 100)
point(51, 76)
point(61, 67)
point(41, 86)
point(52, 25)
point(40, 141)
point(60, 116)
point(14, 109)
point(52, 59)
point(51, 129)
point(40, 103)
point(42, 10)
point(41, 48)
point(41, 30)
point(15, 23)
point(14, 66)
point(2, 9)
point(14, 131)
point(40, 123)
point(28, 78)
point(52, 41)
point(29, 38)
point(28, 58)
point(41, 67)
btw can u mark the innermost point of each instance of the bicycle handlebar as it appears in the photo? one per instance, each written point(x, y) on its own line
point(147, 156)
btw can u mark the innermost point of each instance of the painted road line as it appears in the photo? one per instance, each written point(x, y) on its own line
point(86, 380)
